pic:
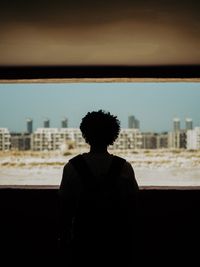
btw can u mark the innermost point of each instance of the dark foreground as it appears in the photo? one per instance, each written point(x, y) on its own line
point(168, 226)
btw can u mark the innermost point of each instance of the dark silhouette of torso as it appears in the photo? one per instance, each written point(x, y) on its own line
point(101, 221)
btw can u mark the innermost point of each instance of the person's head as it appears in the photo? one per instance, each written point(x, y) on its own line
point(100, 128)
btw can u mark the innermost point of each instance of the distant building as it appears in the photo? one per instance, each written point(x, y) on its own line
point(29, 125)
point(177, 139)
point(162, 140)
point(176, 124)
point(56, 139)
point(64, 123)
point(46, 123)
point(188, 124)
point(4, 139)
point(20, 141)
point(128, 139)
point(193, 138)
point(149, 140)
point(154, 140)
point(133, 123)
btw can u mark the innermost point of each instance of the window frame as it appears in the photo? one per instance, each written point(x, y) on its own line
point(60, 74)
point(36, 73)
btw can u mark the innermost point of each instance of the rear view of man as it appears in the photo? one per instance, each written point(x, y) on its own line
point(98, 194)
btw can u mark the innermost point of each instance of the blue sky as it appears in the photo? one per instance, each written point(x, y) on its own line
point(154, 104)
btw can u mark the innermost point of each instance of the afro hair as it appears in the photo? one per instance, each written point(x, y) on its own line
point(100, 128)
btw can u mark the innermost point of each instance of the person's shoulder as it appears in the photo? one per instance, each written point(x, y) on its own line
point(69, 171)
point(126, 164)
point(118, 158)
point(76, 157)
point(128, 175)
point(68, 167)
point(127, 168)
point(70, 161)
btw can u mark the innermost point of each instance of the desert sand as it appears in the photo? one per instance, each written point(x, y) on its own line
point(153, 168)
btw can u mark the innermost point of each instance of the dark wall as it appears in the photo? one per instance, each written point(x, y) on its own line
point(168, 225)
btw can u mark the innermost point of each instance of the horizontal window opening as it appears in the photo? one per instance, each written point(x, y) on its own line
point(160, 129)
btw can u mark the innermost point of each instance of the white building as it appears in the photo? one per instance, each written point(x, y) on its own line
point(128, 139)
point(193, 138)
point(66, 138)
point(4, 139)
point(177, 139)
point(56, 139)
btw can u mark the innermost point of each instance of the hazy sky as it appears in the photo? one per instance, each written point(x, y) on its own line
point(128, 32)
point(154, 104)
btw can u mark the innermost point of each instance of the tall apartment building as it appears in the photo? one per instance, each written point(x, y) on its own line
point(177, 139)
point(46, 123)
point(4, 139)
point(29, 125)
point(176, 124)
point(133, 123)
point(188, 124)
point(55, 139)
point(64, 123)
point(193, 138)
point(128, 139)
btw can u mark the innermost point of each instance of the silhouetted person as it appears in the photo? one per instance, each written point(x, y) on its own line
point(98, 195)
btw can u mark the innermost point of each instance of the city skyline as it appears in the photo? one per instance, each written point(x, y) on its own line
point(153, 104)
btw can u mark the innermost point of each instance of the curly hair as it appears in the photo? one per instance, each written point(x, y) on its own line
point(100, 128)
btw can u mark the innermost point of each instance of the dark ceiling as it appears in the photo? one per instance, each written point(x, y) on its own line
point(85, 33)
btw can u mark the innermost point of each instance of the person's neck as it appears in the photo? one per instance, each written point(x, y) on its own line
point(98, 150)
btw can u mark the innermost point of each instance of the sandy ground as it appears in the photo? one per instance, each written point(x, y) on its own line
point(152, 167)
